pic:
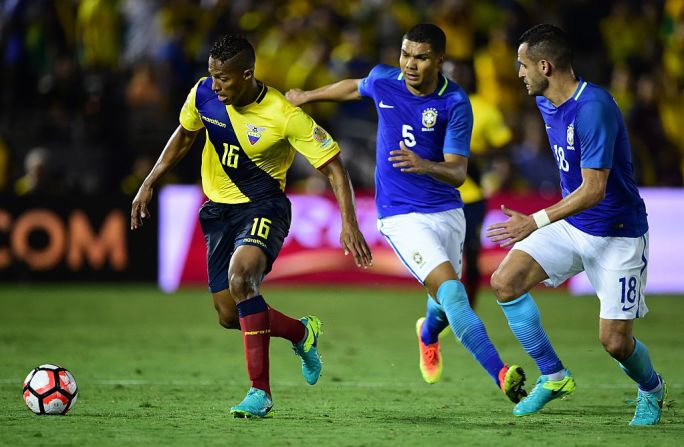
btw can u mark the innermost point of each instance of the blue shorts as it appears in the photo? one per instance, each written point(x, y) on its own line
point(263, 224)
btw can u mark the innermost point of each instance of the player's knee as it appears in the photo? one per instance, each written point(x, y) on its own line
point(617, 347)
point(243, 285)
point(503, 286)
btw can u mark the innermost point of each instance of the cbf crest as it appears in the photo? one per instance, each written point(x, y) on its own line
point(254, 133)
point(571, 135)
point(429, 119)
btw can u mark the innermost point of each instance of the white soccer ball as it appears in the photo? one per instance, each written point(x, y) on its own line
point(50, 389)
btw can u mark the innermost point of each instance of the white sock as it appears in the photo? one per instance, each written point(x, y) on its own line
point(657, 388)
point(555, 377)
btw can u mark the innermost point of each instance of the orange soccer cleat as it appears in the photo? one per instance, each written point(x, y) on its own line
point(430, 357)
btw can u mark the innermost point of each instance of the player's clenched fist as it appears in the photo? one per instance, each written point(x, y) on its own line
point(296, 96)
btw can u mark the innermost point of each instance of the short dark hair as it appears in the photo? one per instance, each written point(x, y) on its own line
point(430, 34)
point(230, 45)
point(549, 42)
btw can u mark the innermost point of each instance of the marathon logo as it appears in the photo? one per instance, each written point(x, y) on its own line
point(213, 121)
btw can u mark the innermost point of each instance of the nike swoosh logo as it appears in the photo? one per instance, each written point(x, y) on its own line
point(554, 393)
point(385, 106)
point(624, 308)
point(547, 126)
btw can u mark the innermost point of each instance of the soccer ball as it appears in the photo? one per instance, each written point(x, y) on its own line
point(50, 389)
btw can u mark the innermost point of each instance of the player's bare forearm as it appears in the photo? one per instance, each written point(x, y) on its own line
point(176, 148)
point(452, 170)
point(341, 186)
point(345, 90)
point(351, 238)
point(589, 194)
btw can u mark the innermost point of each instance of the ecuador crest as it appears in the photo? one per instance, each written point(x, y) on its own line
point(254, 133)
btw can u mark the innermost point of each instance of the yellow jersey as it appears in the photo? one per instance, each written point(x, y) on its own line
point(249, 149)
point(489, 131)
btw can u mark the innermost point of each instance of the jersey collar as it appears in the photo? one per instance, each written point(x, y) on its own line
point(580, 88)
point(441, 84)
point(263, 89)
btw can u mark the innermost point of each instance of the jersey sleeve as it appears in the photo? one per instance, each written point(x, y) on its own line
point(596, 129)
point(459, 128)
point(310, 139)
point(367, 84)
point(189, 116)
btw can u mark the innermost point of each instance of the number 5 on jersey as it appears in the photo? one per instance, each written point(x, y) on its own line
point(407, 135)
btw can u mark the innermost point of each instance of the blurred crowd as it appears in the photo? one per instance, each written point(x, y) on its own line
point(91, 89)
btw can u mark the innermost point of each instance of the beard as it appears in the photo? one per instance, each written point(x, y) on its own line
point(538, 88)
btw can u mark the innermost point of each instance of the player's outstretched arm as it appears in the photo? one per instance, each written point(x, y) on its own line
point(178, 145)
point(451, 171)
point(351, 238)
point(345, 90)
point(589, 194)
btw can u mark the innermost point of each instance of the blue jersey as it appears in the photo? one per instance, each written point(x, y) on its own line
point(429, 125)
point(587, 131)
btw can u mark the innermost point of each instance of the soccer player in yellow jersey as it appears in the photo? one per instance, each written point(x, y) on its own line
point(250, 134)
point(490, 133)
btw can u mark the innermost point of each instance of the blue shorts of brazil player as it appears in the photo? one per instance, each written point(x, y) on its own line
point(263, 224)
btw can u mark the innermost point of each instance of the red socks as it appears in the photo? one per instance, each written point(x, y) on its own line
point(259, 322)
point(285, 327)
point(256, 335)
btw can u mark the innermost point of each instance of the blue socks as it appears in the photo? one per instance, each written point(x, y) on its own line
point(468, 327)
point(639, 368)
point(525, 322)
point(435, 322)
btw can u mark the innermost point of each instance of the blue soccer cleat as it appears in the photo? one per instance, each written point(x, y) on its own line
point(308, 349)
point(649, 406)
point(256, 404)
point(545, 391)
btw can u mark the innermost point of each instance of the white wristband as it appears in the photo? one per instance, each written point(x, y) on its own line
point(541, 218)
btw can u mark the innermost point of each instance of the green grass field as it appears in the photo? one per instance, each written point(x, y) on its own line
point(156, 369)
